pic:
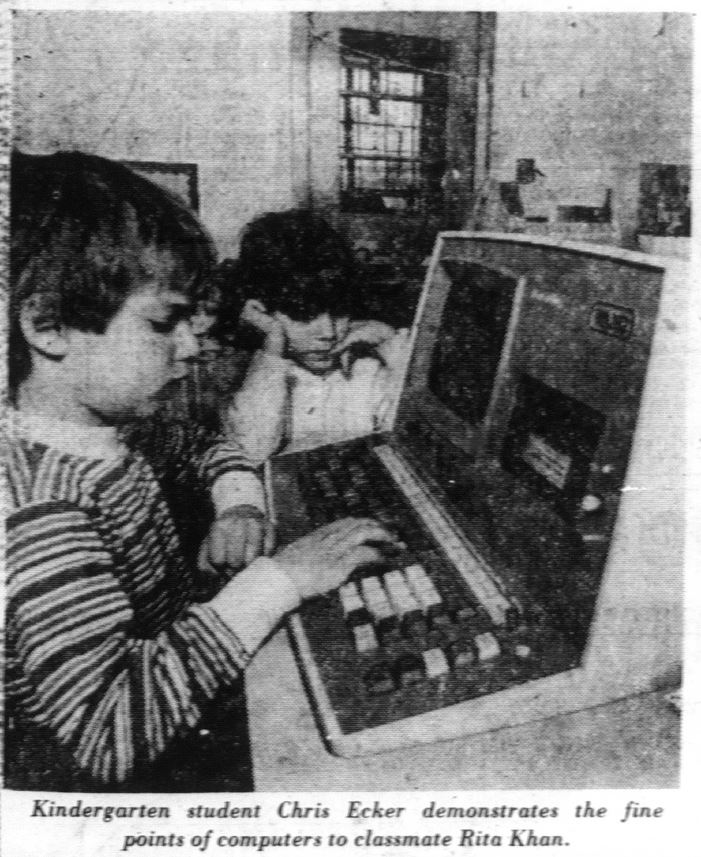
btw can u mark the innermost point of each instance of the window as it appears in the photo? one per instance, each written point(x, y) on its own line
point(393, 102)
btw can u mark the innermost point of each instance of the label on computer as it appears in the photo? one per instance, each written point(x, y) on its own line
point(612, 320)
point(546, 460)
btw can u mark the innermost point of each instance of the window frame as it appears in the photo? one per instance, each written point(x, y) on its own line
point(380, 52)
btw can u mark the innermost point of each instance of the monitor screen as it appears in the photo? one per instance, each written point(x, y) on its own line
point(468, 349)
point(521, 402)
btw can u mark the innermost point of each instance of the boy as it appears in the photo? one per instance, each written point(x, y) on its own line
point(109, 656)
point(320, 377)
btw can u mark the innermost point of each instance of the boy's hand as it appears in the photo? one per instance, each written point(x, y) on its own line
point(270, 325)
point(324, 559)
point(236, 538)
point(363, 337)
point(276, 337)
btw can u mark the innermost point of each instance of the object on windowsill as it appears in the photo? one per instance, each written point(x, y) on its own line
point(511, 198)
point(660, 245)
point(395, 203)
point(526, 171)
point(586, 213)
point(665, 204)
point(582, 219)
point(490, 212)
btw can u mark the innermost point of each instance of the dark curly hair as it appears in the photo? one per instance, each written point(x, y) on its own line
point(294, 262)
point(85, 233)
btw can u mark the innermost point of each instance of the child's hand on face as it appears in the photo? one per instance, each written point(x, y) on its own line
point(236, 538)
point(362, 337)
point(276, 337)
point(271, 326)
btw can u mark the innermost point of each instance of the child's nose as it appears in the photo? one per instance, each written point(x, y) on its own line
point(187, 346)
point(325, 328)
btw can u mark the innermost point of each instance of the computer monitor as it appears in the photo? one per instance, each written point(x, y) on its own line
point(544, 406)
point(536, 470)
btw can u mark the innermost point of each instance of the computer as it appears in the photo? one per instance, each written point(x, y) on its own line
point(535, 475)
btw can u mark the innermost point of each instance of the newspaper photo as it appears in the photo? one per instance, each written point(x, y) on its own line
point(351, 429)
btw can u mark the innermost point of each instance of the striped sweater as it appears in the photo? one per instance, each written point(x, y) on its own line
point(107, 650)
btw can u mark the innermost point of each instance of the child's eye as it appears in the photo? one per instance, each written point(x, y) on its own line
point(167, 326)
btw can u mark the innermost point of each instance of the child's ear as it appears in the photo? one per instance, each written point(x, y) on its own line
point(42, 330)
point(255, 314)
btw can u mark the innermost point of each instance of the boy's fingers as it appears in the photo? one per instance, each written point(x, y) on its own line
point(217, 546)
point(338, 531)
point(203, 563)
point(357, 530)
point(345, 361)
point(370, 333)
point(362, 555)
point(334, 527)
point(255, 533)
point(360, 533)
point(362, 334)
point(342, 524)
point(276, 339)
point(345, 343)
point(269, 538)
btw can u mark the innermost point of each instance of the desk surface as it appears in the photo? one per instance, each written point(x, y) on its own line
point(631, 743)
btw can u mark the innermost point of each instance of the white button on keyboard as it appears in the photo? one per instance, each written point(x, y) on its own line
point(365, 639)
point(435, 662)
point(375, 598)
point(487, 646)
point(422, 586)
point(350, 598)
point(399, 593)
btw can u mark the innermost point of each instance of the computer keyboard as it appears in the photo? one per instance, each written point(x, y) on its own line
point(463, 556)
point(426, 627)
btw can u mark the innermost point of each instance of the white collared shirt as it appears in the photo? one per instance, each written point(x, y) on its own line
point(282, 406)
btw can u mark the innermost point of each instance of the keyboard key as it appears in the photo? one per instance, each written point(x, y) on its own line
point(409, 670)
point(361, 616)
point(439, 617)
point(461, 653)
point(464, 612)
point(378, 679)
point(487, 647)
point(435, 662)
point(400, 594)
point(365, 639)
point(437, 639)
point(376, 599)
point(388, 630)
point(414, 625)
point(422, 586)
point(513, 618)
point(350, 598)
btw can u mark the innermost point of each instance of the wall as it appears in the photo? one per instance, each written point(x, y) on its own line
point(590, 97)
point(212, 89)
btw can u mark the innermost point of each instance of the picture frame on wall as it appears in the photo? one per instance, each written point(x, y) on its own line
point(179, 178)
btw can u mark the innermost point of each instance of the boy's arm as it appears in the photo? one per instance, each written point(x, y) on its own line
point(207, 479)
point(380, 379)
point(255, 416)
point(110, 696)
point(182, 454)
point(395, 350)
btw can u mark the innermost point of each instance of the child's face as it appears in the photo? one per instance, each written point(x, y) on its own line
point(310, 343)
point(123, 372)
